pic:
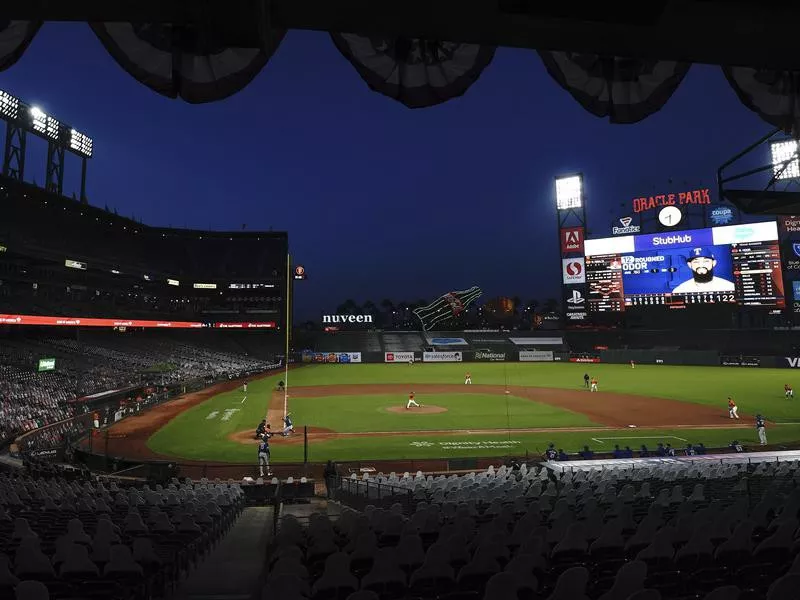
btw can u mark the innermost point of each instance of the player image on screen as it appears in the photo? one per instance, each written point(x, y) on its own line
point(736, 264)
point(702, 262)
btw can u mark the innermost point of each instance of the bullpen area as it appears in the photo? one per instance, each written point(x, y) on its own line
point(358, 412)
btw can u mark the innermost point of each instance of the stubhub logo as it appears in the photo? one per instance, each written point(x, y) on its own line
point(671, 240)
point(694, 237)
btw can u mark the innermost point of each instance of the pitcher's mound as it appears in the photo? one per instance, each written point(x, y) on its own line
point(427, 409)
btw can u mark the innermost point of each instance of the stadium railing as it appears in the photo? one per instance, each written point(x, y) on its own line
point(357, 493)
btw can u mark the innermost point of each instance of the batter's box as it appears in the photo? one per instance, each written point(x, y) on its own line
point(604, 440)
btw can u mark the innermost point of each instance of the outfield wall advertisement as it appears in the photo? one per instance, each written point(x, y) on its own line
point(442, 357)
point(398, 357)
point(486, 356)
point(332, 357)
point(535, 356)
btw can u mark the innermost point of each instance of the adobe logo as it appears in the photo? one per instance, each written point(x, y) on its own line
point(572, 240)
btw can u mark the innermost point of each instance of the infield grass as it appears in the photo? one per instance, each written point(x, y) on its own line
point(193, 435)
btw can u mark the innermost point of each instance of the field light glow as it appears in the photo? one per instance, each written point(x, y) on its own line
point(569, 192)
point(783, 151)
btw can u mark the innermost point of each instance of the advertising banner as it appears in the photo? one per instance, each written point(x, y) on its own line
point(572, 240)
point(484, 356)
point(442, 357)
point(537, 341)
point(584, 359)
point(740, 361)
point(332, 357)
point(397, 357)
point(792, 362)
point(575, 303)
point(535, 356)
point(447, 341)
point(573, 270)
point(626, 227)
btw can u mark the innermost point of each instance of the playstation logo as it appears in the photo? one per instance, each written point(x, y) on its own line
point(577, 298)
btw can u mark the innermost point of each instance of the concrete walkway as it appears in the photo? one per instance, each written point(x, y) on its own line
point(233, 569)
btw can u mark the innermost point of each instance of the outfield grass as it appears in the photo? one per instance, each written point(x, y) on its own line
point(193, 435)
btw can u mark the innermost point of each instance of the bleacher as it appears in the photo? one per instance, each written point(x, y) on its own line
point(672, 530)
point(410, 341)
point(77, 538)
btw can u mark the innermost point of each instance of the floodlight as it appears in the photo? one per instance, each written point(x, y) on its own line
point(785, 164)
point(80, 144)
point(9, 105)
point(38, 119)
point(569, 192)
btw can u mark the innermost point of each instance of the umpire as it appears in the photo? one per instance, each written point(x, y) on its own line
point(761, 428)
point(263, 453)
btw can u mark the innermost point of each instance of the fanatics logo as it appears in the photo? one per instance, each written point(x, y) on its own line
point(626, 221)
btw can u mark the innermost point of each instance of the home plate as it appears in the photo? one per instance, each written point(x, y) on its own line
point(631, 425)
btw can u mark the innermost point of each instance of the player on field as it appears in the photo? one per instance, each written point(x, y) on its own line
point(761, 428)
point(788, 391)
point(733, 410)
point(411, 402)
point(288, 426)
point(594, 384)
point(586, 380)
point(244, 387)
point(468, 378)
point(633, 365)
point(263, 453)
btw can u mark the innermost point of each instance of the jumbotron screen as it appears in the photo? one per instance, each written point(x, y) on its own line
point(735, 264)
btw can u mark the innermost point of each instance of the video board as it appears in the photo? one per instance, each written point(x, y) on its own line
point(733, 265)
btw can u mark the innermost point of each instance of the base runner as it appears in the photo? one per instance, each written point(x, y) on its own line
point(468, 378)
point(733, 410)
point(411, 402)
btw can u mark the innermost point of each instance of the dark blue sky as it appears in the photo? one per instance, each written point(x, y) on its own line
point(379, 200)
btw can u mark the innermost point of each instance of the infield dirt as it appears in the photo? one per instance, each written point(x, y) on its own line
point(610, 411)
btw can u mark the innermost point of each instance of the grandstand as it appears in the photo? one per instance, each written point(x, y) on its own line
point(61, 257)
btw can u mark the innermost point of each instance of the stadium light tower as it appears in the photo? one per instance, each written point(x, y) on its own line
point(569, 192)
point(785, 164)
point(571, 235)
point(22, 119)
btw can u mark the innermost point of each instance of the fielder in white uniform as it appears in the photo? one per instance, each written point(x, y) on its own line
point(468, 378)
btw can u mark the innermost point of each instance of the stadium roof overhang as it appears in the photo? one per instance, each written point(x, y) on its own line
point(730, 32)
point(765, 202)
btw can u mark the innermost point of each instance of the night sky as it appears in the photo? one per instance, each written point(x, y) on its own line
point(379, 200)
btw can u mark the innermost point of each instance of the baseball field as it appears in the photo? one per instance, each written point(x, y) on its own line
point(358, 412)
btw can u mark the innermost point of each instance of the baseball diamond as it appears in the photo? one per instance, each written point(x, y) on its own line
point(350, 412)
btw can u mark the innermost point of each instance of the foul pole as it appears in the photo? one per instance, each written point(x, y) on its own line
point(288, 329)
